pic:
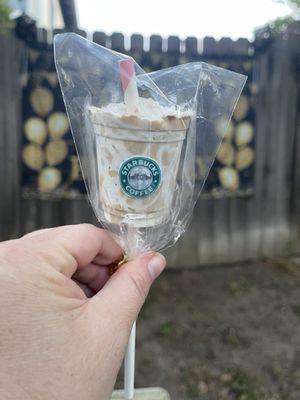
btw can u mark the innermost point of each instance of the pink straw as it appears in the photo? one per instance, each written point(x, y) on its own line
point(127, 74)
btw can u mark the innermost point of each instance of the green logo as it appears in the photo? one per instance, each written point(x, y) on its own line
point(139, 176)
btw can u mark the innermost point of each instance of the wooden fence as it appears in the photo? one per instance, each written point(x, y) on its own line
point(42, 102)
point(226, 229)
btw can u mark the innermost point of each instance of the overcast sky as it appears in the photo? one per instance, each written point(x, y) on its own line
point(233, 18)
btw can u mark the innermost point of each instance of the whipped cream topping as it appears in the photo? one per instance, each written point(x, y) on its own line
point(147, 109)
point(148, 115)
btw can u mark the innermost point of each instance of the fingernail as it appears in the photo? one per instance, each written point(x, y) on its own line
point(156, 265)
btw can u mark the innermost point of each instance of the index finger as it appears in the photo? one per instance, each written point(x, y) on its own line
point(68, 248)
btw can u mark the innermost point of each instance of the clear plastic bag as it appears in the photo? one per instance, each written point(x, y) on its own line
point(138, 162)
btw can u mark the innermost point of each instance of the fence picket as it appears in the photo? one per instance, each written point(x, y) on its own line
point(173, 45)
point(155, 43)
point(117, 41)
point(136, 43)
point(99, 38)
point(191, 46)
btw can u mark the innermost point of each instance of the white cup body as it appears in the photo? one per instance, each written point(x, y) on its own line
point(115, 145)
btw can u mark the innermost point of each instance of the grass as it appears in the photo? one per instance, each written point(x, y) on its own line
point(243, 387)
point(237, 288)
point(296, 310)
point(232, 337)
point(166, 329)
point(196, 381)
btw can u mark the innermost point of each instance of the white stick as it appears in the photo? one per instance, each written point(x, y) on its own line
point(129, 366)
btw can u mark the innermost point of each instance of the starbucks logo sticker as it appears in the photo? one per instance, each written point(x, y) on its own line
point(139, 176)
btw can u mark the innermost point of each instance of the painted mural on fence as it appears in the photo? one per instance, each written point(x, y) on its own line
point(233, 169)
point(50, 164)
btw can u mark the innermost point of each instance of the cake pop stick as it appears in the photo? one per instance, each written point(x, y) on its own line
point(131, 98)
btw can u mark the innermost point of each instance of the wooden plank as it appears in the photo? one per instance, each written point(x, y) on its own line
point(210, 46)
point(220, 226)
point(100, 38)
point(243, 47)
point(29, 215)
point(155, 43)
point(205, 232)
point(191, 46)
point(84, 212)
point(137, 48)
point(173, 44)
point(187, 245)
point(48, 213)
point(12, 138)
point(196, 246)
point(2, 132)
point(143, 394)
point(171, 56)
point(235, 207)
point(274, 229)
point(8, 114)
point(76, 211)
point(237, 229)
point(268, 148)
point(136, 43)
point(153, 59)
point(117, 42)
point(66, 212)
point(225, 47)
point(295, 176)
point(10, 133)
point(255, 205)
point(286, 125)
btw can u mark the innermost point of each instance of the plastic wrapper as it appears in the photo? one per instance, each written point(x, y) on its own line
point(139, 163)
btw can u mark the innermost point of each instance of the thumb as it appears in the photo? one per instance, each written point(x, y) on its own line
point(126, 291)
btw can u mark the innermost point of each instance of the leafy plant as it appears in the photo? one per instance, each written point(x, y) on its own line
point(281, 23)
point(5, 21)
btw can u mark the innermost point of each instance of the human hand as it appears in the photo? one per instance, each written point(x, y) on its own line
point(55, 342)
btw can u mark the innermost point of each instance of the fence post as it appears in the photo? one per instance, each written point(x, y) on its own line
point(10, 128)
point(294, 119)
point(276, 123)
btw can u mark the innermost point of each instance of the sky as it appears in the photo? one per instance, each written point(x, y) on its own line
point(217, 18)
